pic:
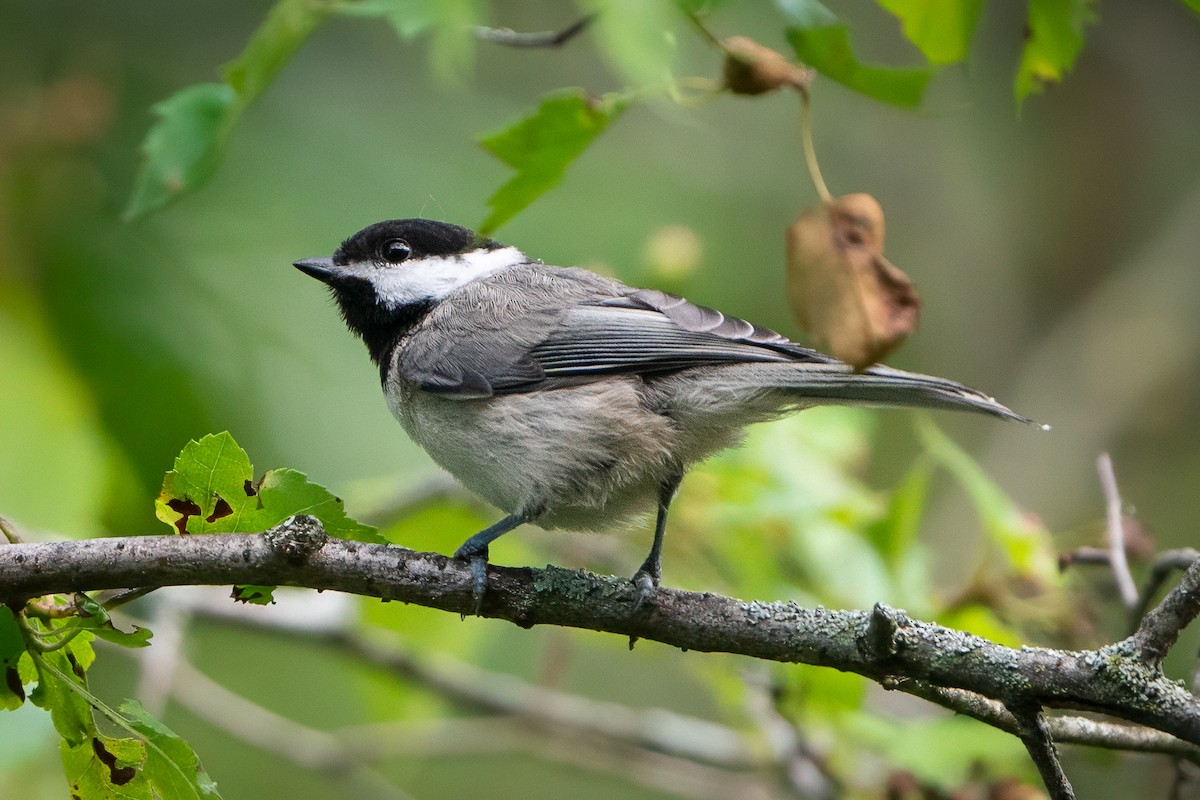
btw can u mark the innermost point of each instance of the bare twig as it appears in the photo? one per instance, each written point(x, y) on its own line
point(9, 531)
point(1116, 532)
point(1160, 628)
point(1167, 562)
point(1035, 735)
point(540, 39)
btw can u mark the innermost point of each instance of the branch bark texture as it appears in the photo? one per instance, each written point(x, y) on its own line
point(1122, 680)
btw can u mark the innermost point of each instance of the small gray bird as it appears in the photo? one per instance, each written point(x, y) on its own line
point(567, 399)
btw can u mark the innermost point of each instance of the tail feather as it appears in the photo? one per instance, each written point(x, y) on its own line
point(752, 391)
point(885, 386)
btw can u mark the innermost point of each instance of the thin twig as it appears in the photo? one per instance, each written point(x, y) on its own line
point(1167, 562)
point(1161, 626)
point(1116, 532)
point(810, 152)
point(540, 39)
point(1035, 735)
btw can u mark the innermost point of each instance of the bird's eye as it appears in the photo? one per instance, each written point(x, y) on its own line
point(394, 251)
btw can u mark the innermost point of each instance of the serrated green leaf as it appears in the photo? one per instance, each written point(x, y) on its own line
point(1054, 38)
point(103, 768)
point(1021, 537)
point(184, 146)
point(822, 41)
point(211, 489)
point(97, 620)
point(172, 767)
point(541, 147)
point(12, 647)
point(941, 29)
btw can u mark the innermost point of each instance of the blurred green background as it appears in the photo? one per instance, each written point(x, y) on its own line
point(1055, 250)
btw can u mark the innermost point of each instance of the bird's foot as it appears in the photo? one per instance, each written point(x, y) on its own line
point(646, 582)
point(478, 562)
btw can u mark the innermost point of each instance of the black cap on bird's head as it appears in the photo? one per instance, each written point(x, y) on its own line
point(388, 275)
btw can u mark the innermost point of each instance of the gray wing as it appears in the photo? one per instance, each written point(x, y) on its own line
point(650, 331)
point(637, 332)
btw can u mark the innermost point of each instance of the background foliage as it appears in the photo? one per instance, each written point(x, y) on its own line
point(1054, 250)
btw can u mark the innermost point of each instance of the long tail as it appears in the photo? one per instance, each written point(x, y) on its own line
point(885, 386)
point(751, 390)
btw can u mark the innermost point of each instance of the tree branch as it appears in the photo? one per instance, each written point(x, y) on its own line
point(1122, 680)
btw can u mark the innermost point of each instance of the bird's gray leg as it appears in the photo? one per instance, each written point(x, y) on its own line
point(648, 575)
point(475, 550)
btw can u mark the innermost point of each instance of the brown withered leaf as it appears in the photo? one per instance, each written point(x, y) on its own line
point(751, 68)
point(844, 293)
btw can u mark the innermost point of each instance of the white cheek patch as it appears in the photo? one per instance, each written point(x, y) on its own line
point(435, 277)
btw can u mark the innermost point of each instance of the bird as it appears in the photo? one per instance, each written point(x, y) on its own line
point(570, 400)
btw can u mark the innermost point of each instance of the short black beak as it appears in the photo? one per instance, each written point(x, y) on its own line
point(323, 269)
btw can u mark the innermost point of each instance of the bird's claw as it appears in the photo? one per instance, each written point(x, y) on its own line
point(647, 586)
point(478, 562)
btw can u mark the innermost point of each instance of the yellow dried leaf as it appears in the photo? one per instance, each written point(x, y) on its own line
point(843, 291)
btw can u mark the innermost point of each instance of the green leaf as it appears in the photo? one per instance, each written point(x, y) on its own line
point(12, 648)
point(103, 768)
point(822, 41)
point(944, 752)
point(212, 490)
point(541, 146)
point(98, 621)
point(61, 674)
point(172, 767)
point(1054, 38)
point(941, 29)
point(451, 23)
point(636, 37)
point(1021, 537)
point(897, 531)
point(183, 148)
point(1194, 5)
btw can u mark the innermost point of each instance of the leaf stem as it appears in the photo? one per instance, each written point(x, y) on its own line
point(810, 154)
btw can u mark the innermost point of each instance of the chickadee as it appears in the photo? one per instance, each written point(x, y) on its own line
point(568, 399)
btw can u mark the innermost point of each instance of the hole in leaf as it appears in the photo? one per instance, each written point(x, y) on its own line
point(119, 776)
point(221, 509)
point(13, 679)
point(185, 508)
point(250, 488)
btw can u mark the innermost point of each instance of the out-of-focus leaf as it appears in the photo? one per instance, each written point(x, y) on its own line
point(287, 25)
point(822, 41)
point(172, 767)
point(842, 289)
point(897, 531)
point(821, 693)
point(941, 29)
point(636, 37)
point(1194, 5)
point(1054, 38)
point(942, 752)
point(451, 23)
point(182, 150)
point(1021, 537)
point(185, 145)
point(100, 623)
point(542, 146)
point(104, 768)
point(212, 490)
point(12, 648)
